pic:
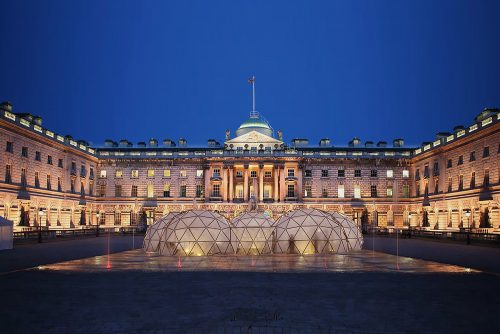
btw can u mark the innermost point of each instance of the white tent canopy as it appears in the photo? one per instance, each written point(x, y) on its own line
point(6, 236)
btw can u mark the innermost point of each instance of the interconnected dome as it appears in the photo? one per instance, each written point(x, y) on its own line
point(253, 233)
point(309, 231)
point(196, 232)
point(302, 231)
point(255, 123)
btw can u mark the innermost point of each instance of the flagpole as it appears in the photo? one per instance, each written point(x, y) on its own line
point(253, 92)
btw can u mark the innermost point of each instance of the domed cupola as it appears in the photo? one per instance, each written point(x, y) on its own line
point(255, 123)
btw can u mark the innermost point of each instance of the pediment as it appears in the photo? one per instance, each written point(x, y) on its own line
point(254, 137)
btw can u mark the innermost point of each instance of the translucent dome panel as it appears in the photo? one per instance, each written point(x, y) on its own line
point(309, 231)
point(197, 233)
point(253, 233)
point(155, 231)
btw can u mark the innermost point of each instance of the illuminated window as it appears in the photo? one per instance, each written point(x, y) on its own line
point(133, 193)
point(183, 173)
point(118, 173)
point(373, 191)
point(166, 173)
point(199, 190)
point(118, 218)
point(216, 190)
point(166, 190)
point(151, 173)
point(102, 174)
point(307, 190)
point(199, 173)
point(150, 190)
point(291, 190)
point(389, 191)
point(267, 174)
point(340, 191)
point(390, 173)
point(406, 173)
point(357, 191)
point(134, 174)
point(324, 191)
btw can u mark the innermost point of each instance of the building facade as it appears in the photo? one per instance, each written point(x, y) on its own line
point(60, 182)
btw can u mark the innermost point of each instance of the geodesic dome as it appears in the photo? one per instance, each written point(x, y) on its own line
point(155, 232)
point(309, 231)
point(253, 233)
point(196, 232)
point(352, 232)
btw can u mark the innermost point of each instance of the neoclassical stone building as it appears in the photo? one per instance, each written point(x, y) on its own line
point(120, 183)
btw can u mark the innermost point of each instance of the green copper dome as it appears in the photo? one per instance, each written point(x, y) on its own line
point(255, 123)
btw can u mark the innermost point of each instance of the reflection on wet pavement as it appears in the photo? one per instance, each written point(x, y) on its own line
point(360, 261)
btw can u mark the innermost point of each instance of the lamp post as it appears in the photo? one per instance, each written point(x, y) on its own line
point(409, 224)
point(98, 215)
point(41, 213)
point(467, 214)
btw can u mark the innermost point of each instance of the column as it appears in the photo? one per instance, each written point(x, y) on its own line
point(231, 185)
point(299, 183)
point(245, 184)
point(261, 182)
point(206, 174)
point(282, 183)
point(224, 184)
point(276, 183)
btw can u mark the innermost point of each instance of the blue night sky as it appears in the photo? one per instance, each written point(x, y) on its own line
point(168, 69)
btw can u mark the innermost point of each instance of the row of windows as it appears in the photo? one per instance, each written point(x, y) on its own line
point(472, 184)
point(357, 173)
point(60, 163)
point(134, 173)
point(200, 191)
point(389, 192)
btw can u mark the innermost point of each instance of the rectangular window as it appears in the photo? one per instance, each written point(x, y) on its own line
point(436, 186)
point(102, 174)
point(373, 173)
point(307, 190)
point(59, 185)
point(133, 193)
point(406, 173)
point(426, 172)
point(460, 182)
point(102, 190)
point(373, 191)
point(253, 173)
point(8, 174)
point(472, 156)
point(473, 180)
point(460, 160)
point(151, 173)
point(118, 173)
point(134, 174)
point(450, 184)
point(24, 152)
point(118, 190)
point(486, 180)
point(390, 173)
point(389, 191)
point(72, 185)
point(216, 172)
point(199, 190)
point(38, 156)
point(216, 190)
point(417, 174)
point(166, 173)
point(449, 164)
point(23, 177)
point(183, 191)
point(49, 159)
point(406, 191)
point(239, 173)
point(291, 189)
point(91, 173)
point(324, 191)
point(118, 218)
point(357, 191)
point(49, 185)
point(324, 173)
point(486, 152)
point(9, 147)
point(166, 190)
point(183, 173)
point(150, 191)
point(60, 163)
point(102, 218)
point(417, 189)
point(37, 180)
point(357, 173)
point(341, 173)
point(435, 169)
point(291, 172)
point(308, 173)
point(199, 173)
point(340, 191)
point(267, 174)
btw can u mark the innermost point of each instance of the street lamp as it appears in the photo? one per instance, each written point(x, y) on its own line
point(41, 213)
point(467, 214)
point(409, 224)
point(97, 224)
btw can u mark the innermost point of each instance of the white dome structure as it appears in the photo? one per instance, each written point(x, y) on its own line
point(155, 232)
point(253, 232)
point(196, 232)
point(309, 231)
